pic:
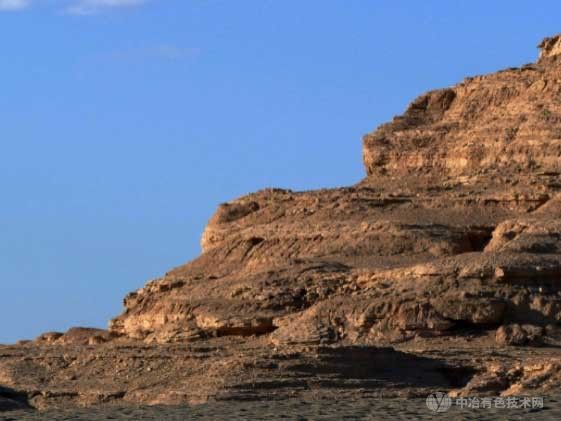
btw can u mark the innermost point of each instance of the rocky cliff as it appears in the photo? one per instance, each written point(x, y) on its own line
point(506, 123)
point(409, 281)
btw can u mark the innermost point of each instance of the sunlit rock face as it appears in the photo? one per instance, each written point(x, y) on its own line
point(458, 207)
point(550, 46)
point(508, 122)
point(449, 249)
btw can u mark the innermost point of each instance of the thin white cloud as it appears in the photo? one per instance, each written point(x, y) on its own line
point(74, 7)
point(10, 5)
point(90, 7)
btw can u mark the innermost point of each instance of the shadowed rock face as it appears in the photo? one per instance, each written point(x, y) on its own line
point(449, 248)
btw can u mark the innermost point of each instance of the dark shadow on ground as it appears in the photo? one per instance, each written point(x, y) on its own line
point(368, 366)
point(12, 400)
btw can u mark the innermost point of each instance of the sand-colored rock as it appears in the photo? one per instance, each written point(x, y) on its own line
point(515, 334)
point(550, 46)
point(506, 123)
point(449, 249)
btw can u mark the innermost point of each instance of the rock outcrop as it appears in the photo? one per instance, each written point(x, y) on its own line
point(504, 124)
point(550, 46)
point(449, 248)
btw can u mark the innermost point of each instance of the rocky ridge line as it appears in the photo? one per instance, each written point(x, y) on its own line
point(446, 257)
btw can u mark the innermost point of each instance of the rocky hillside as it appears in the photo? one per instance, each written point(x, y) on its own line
point(507, 123)
point(440, 270)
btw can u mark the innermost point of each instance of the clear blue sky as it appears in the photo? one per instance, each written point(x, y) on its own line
point(124, 123)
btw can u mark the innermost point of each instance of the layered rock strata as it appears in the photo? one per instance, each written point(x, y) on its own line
point(448, 250)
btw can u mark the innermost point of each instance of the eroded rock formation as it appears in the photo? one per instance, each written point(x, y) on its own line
point(448, 249)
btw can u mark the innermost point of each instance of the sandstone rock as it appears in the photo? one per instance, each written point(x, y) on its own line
point(550, 46)
point(475, 311)
point(84, 335)
point(455, 231)
point(49, 337)
point(77, 336)
point(532, 235)
point(515, 334)
point(503, 123)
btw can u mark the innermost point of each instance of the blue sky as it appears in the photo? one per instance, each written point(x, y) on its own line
point(124, 123)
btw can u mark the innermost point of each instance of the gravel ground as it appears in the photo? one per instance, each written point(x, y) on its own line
point(391, 409)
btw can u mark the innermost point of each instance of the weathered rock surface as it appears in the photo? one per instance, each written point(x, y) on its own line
point(515, 334)
point(505, 123)
point(404, 283)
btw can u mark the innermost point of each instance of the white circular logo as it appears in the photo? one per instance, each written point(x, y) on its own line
point(439, 402)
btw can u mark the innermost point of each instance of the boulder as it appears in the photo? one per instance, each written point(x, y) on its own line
point(519, 335)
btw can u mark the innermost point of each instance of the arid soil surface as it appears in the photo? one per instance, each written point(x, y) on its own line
point(293, 409)
point(440, 271)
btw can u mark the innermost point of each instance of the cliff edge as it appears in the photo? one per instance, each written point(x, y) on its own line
point(413, 280)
